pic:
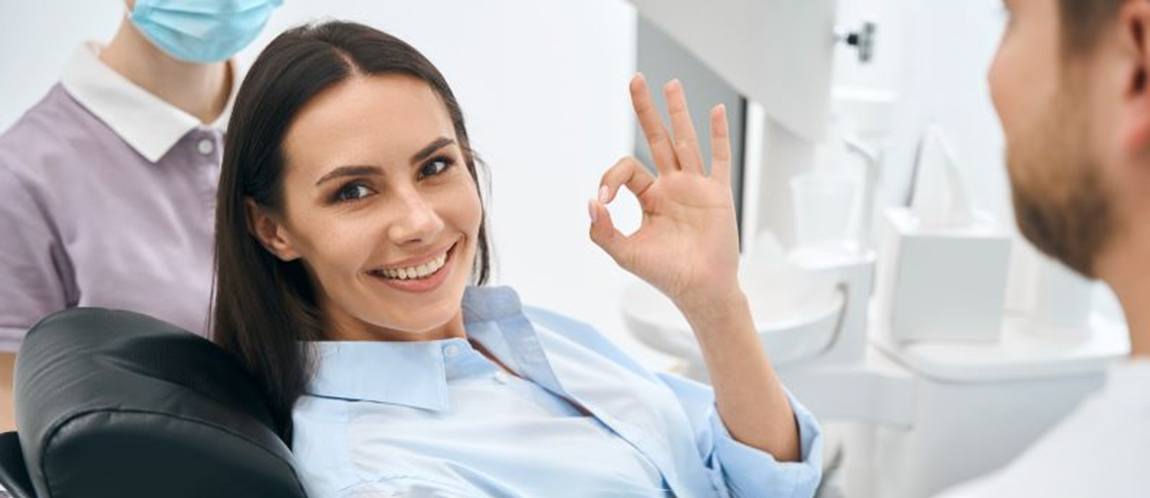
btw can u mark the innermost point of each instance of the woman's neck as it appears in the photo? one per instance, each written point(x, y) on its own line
point(341, 326)
point(201, 90)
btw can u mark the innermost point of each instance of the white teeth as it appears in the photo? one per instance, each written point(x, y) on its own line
point(420, 271)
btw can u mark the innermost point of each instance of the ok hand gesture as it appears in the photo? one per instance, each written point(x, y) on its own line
point(687, 245)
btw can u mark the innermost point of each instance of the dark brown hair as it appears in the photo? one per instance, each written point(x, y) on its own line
point(264, 308)
point(1083, 20)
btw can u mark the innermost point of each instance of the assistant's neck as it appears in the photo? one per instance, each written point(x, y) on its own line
point(201, 90)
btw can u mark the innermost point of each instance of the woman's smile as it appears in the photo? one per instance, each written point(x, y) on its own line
point(419, 277)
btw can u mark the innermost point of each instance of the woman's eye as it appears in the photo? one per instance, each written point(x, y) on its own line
point(351, 192)
point(435, 166)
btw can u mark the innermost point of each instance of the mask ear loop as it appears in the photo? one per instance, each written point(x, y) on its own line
point(131, 13)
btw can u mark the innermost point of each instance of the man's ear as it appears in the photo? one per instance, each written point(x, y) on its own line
point(269, 231)
point(1134, 29)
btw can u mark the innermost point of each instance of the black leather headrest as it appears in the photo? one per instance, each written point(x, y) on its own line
point(118, 404)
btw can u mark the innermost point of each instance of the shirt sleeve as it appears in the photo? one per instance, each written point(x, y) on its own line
point(30, 258)
point(740, 470)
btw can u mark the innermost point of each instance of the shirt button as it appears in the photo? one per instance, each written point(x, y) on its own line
point(501, 377)
point(451, 351)
point(205, 146)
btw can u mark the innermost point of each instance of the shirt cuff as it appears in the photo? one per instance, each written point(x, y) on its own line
point(11, 338)
point(748, 471)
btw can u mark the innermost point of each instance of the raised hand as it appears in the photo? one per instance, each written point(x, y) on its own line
point(687, 245)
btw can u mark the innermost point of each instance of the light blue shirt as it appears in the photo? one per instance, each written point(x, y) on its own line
point(578, 418)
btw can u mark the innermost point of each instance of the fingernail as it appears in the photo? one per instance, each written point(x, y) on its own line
point(603, 193)
point(591, 211)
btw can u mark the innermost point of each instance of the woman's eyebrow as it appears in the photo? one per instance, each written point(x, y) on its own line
point(430, 148)
point(422, 154)
point(349, 171)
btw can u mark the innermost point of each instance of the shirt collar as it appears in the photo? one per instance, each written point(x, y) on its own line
point(146, 122)
point(413, 374)
point(482, 304)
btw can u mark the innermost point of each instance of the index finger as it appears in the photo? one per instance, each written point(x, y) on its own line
point(662, 151)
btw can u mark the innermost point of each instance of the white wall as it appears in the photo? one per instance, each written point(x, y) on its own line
point(36, 40)
point(543, 84)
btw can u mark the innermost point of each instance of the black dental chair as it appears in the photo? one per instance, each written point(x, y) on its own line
point(117, 404)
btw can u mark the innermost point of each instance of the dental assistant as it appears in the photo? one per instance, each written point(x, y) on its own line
point(108, 182)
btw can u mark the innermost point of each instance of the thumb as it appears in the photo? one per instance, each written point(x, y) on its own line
point(604, 233)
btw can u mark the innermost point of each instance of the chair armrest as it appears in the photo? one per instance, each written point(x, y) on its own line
point(13, 473)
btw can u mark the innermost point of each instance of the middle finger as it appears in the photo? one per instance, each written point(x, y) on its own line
point(686, 141)
point(662, 150)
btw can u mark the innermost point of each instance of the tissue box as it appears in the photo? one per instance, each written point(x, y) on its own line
point(941, 283)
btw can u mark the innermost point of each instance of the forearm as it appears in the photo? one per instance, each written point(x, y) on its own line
point(749, 396)
point(7, 414)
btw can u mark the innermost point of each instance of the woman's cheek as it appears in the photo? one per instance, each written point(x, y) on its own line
point(462, 207)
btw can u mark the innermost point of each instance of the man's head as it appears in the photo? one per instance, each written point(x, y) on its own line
point(1070, 85)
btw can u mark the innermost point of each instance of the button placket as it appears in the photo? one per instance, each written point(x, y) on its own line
point(205, 144)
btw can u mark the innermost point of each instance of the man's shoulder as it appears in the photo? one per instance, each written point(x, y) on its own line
point(1097, 450)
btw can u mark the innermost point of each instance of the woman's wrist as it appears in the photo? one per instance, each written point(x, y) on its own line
point(712, 306)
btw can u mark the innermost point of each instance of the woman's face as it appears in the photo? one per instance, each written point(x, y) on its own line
point(379, 205)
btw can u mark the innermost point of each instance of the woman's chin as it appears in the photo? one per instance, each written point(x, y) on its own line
point(431, 322)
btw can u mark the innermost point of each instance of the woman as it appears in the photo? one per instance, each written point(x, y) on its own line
point(350, 225)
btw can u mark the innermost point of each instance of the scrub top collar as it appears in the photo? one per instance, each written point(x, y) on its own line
point(367, 370)
point(144, 121)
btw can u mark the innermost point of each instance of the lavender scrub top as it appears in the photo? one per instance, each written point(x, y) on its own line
point(107, 198)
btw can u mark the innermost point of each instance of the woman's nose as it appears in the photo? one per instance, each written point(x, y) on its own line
point(417, 220)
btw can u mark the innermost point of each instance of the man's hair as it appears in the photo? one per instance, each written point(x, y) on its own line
point(1083, 20)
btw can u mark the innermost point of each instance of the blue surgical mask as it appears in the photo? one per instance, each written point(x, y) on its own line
point(202, 30)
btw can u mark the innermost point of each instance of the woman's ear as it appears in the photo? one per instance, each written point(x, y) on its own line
point(269, 231)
